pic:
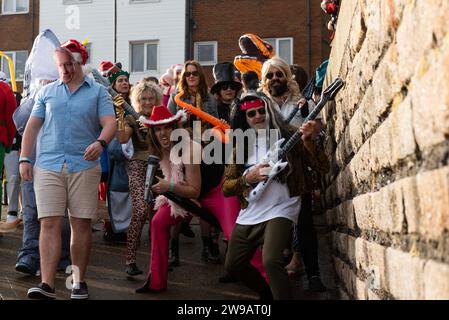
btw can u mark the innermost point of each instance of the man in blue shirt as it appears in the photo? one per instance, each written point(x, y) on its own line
point(69, 113)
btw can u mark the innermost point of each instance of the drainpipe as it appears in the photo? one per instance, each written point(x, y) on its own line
point(33, 8)
point(309, 37)
point(189, 19)
point(115, 31)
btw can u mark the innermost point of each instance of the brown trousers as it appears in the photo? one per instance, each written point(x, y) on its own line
point(274, 235)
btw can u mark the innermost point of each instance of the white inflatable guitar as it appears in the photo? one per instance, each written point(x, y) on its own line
point(276, 154)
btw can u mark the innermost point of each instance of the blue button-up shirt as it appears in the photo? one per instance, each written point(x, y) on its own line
point(71, 123)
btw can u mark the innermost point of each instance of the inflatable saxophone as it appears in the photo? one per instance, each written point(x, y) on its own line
point(220, 128)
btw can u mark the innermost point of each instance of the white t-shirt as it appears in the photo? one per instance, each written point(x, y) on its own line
point(274, 202)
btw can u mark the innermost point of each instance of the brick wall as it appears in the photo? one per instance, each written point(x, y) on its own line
point(387, 196)
point(226, 20)
point(18, 31)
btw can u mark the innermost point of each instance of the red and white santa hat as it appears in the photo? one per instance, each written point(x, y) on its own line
point(77, 49)
point(161, 116)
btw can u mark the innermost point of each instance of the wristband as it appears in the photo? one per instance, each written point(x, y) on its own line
point(172, 187)
point(24, 159)
point(103, 143)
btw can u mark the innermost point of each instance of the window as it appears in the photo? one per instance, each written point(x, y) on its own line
point(144, 56)
point(283, 48)
point(15, 6)
point(206, 52)
point(19, 59)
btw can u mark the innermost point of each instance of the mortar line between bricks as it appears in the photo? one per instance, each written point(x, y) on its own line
point(390, 175)
point(405, 243)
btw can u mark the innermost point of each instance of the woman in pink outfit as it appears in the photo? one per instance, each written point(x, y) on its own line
point(182, 178)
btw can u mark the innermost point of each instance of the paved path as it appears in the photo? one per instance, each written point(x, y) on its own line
point(193, 280)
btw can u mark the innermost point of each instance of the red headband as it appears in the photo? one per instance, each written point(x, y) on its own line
point(251, 104)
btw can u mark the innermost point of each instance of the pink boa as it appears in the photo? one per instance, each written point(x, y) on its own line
point(174, 173)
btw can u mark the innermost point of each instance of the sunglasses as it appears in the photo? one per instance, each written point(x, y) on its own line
point(193, 73)
point(252, 113)
point(278, 74)
point(227, 86)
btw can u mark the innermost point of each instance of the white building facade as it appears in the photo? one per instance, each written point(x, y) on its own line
point(146, 36)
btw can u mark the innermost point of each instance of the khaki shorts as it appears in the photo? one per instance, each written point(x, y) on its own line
point(58, 191)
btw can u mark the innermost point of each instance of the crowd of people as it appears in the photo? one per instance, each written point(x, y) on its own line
point(95, 142)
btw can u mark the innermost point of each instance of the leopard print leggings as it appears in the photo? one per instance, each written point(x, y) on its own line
point(141, 212)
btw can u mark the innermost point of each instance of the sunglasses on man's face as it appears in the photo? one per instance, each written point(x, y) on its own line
point(278, 75)
point(252, 113)
point(227, 86)
point(193, 73)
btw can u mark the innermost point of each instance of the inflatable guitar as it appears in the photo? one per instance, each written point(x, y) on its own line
point(307, 93)
point(219, 128)
point(276, 154)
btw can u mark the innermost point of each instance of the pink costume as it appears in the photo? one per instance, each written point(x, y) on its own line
point(168, 214)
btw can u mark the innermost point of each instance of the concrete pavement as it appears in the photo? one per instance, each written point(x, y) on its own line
point(193, 280)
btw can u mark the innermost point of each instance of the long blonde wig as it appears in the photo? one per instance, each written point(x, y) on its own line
point(284, 67)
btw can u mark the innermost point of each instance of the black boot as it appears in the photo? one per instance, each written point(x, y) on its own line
point(266, 294)
point(214, 252)
point(210, 251)
point(133, 270)
point(205, 251)
point(173, 256)
point(186, 230)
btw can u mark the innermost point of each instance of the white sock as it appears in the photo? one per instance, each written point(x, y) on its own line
point(10, 218)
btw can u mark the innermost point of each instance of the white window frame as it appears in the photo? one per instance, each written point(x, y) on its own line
point(15, 6)
point(145, 67)
point(5, 62)
point(143, 1)
point(70, 2)
point(276, 40)
point(206, 63)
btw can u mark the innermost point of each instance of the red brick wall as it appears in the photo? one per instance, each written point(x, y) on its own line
point(225, 21)
point(19, 30)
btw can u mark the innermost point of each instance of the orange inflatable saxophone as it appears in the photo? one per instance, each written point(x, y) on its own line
point(219, 128)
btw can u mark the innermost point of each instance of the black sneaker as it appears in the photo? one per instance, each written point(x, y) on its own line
point(24, 268)
point(79, 291)
point(316, 285)
point(42, 292)
point(133, 270)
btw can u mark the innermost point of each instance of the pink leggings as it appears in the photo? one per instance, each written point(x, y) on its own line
point(225, 210)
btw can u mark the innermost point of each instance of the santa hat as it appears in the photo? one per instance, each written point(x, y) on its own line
point(112, 71)
point(178, 68)
point(161, 116)
point(77, 49)
point(105, 67)
point(167, 78)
